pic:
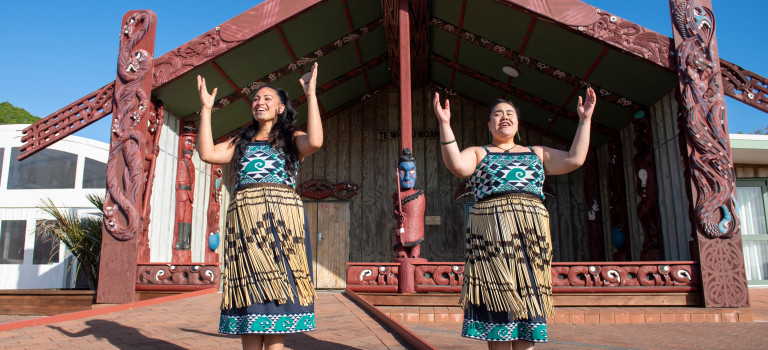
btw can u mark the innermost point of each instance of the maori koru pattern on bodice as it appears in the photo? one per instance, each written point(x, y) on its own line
point(263, 163)
point(501, 173)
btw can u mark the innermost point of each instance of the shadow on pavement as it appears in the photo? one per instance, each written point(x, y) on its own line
point(118, 335)
point(305, 341)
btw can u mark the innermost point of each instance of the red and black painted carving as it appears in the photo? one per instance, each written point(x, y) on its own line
point(372, 277)
point(745, 86)
point(67, 120)
point(682, 275)
point(126, 172)
point(185, 195)
point(706, 151)
point(177, 277)
point(213, 231)
point(322, 189)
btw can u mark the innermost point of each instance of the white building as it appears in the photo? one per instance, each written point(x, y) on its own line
point(64, 172)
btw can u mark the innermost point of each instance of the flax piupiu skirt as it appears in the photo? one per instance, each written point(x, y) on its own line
point(507, 289)
point(267, 276)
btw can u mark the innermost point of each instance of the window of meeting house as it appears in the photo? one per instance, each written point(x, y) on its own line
point(46, 169)
point(94, 174)
point(46, 244)
point(2, 153)
point(12, 241)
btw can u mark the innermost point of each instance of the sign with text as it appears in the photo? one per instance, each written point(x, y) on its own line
point(417, 134)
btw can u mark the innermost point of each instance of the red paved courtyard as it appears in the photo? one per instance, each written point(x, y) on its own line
point(191, 323)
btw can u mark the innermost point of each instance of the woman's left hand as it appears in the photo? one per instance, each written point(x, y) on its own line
point(309, 86)
point(586, 108)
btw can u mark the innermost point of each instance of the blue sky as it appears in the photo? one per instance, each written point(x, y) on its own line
point(55, 52)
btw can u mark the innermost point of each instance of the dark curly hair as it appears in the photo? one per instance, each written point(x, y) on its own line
point(280, 137)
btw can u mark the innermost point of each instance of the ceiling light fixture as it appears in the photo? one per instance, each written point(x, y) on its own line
point(511, 71)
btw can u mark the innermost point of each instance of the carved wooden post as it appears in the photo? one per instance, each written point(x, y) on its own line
point(707, 153)
point(594, 217)
point(647, 189)
point(126, 172)
point(185, 195)
point(618, 202)
point(156, 115)
point(213, 231)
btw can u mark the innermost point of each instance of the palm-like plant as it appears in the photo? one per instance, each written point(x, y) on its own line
point(81, 235)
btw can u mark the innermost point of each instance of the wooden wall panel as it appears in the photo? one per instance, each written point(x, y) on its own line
point(673, 202)
point(351, 145)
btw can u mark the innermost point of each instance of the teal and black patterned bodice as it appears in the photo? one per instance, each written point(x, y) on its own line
point(262, 163)
point(502, 173)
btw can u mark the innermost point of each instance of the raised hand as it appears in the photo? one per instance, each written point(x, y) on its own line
point(585, 109)
point(310, 86)
point(443, 114)
point(206, 99)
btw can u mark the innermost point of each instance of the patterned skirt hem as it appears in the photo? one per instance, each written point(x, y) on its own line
point(501, 332)
point(267, 324)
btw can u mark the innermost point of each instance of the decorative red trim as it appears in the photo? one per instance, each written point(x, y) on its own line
point(602, 27)
point(322, 189)
point(230, 34)
point(404, 41)
point(523, 123)
point(523, 95)
point(357, 45)
point(518, 59)
point(294, 65)
point(528, 35)
point(229, 81)
point(458, 40)
point(567, 277)
point(745, 86)
point(342, 79)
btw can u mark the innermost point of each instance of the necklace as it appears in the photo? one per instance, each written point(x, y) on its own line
point(506, 150)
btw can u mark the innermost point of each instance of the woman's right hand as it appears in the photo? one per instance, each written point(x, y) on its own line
point(443, 114)
point(206, 99)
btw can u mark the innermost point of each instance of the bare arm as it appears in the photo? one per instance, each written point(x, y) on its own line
point(557, 162)
point(311, 141)
point(460, 163)
point(214, 154)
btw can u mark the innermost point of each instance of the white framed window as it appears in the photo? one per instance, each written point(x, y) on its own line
point(752, 197)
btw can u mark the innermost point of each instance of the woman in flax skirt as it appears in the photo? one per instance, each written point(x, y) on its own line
point(267, 283)
point(507, 290)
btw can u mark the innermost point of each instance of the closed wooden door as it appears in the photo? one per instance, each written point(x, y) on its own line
point(329, 228)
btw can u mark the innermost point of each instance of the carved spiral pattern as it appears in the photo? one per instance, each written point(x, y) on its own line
point(726, 282)
point(711, 166)
point(124, 191)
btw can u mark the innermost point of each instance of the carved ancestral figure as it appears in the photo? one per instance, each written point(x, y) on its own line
point(185, 181)
point(409, 205)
